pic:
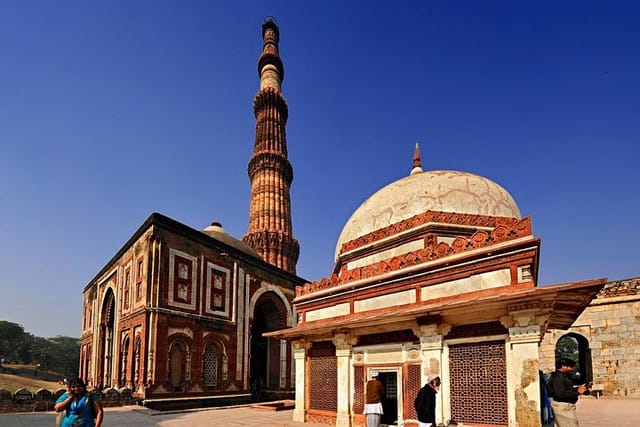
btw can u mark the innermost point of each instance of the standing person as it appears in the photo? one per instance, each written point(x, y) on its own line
point(425, 403)
point(563, 394)
point(81, 408)
point(373, 401)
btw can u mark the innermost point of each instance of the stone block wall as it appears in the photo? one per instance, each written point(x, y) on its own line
point(43, 400)
point(611, 325)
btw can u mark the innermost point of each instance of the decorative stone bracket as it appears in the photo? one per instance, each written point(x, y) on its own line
point(431, 334)
point(524, 323)
point(301, 345)
point(343, 339)
point(526, 314)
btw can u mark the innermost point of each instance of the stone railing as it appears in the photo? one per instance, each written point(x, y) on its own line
point(24, 400)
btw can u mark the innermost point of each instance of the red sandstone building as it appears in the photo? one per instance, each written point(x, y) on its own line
point(179, 313)
point(436, 273)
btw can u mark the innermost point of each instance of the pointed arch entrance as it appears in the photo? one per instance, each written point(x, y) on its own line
point(105, 349)
point(268, 356)
point(178, 364)
point(576, 347)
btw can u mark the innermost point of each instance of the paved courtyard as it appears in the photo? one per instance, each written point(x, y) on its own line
point(609, 412)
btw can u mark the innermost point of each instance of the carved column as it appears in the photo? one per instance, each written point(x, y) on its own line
point(523, 386)
point(433, 361)
point(344, 343)
point(300, 349)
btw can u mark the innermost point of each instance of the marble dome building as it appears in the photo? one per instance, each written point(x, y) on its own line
point(435, 274)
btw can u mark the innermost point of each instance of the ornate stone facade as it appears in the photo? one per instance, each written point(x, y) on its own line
point(180, 313)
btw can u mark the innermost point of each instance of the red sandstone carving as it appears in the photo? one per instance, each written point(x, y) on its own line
point(424, 218)
point(480, 239)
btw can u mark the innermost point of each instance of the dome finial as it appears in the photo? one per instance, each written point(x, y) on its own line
point(417, 163)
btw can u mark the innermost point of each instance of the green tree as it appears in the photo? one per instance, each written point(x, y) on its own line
point(567, 347)
point(60, 353)
point(12, 338)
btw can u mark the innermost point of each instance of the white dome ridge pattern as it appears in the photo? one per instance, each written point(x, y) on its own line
point(441, 190)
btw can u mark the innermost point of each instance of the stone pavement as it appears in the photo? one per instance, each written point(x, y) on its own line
point(609, 412)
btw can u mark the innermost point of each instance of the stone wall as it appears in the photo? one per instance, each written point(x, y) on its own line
point(611, 325)
point(24, 400)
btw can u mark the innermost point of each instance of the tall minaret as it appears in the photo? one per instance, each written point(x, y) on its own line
point(270, 231)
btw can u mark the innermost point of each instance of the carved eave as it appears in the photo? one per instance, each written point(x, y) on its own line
point(570, 301)
point(561, 303)
point(429, 219)
point(463, 249)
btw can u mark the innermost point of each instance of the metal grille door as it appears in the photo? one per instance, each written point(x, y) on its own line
point(478, 383)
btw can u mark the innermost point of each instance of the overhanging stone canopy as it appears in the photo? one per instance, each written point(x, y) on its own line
point(559, 304)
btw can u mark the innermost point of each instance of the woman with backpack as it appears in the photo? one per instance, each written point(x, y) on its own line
point(78, 407)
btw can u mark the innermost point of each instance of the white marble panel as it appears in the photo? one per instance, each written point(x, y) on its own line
point(389, 300)
point(387, 355)
point(478, 282)
point(328, 312)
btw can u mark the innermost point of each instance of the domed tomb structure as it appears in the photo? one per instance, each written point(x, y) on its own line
point(435, 274)
point(423, 210)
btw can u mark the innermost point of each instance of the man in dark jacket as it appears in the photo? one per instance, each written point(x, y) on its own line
point(563, 394)
point(425, 403)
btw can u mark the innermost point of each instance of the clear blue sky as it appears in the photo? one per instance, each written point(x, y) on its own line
point(112, 110)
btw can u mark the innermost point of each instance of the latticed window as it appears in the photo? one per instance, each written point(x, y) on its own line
point(323, 386)
point(478, 383)
point(358, 386)
point(210, 366)
point(412, 388)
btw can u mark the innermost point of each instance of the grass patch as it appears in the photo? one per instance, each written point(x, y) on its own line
point(16, 377)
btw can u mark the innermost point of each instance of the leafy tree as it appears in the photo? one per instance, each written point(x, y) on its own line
point(60, 353)
point(11, 340)
point(567, 347)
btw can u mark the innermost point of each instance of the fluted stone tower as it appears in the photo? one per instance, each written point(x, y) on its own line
point(270, 230)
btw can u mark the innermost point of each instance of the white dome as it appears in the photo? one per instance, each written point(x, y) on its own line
point(216, 231)
point(444, 191)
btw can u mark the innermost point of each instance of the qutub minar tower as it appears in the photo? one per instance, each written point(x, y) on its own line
point(270, 232)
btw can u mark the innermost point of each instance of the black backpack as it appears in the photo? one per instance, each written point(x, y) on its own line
point(550, 392)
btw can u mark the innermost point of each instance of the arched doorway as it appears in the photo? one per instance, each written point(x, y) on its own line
point(576, 347)
point(177, 365)
point(268, 355)
point(105, 354)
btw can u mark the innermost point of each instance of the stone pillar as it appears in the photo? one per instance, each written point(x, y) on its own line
point(433, 363)
point(300, 349)
point(523, 384)
point(344, 343)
